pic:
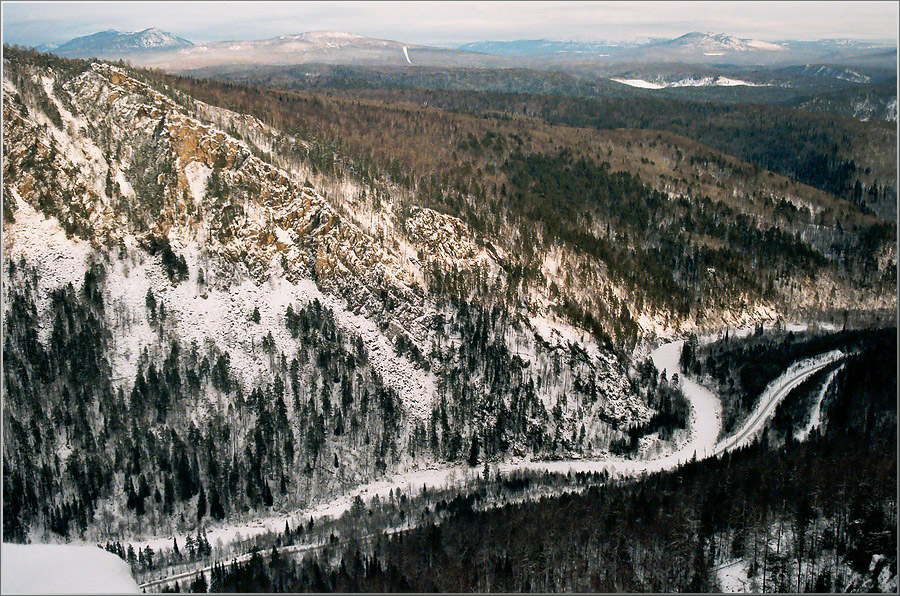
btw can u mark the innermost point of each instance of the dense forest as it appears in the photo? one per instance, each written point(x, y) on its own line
point(778, 87)
point(813, 516)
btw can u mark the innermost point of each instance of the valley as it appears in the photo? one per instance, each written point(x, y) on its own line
point(329, 312)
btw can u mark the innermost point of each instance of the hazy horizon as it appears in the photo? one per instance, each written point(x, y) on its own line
point(453, 23)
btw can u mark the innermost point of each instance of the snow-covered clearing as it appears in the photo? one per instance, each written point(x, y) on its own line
point(733, 578)
point(64, 569)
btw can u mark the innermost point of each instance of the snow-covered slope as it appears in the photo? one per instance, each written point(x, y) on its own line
point(63, 569)
point(717, 81)
point(205, 247)
point(282, 234)
point(836, 72)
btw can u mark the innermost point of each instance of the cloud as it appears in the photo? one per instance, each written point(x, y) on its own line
point(444, 22)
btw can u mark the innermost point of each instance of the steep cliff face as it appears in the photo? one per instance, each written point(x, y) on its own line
point(226, 306)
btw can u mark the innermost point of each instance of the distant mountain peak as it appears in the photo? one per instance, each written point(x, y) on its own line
point(113, 41)
point(711, 41)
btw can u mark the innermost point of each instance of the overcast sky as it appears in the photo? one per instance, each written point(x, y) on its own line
point(33, 23)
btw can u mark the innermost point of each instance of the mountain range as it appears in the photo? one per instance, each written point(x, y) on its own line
point(153, 47)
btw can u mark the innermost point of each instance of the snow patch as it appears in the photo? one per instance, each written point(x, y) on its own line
point(197, 174)
point(718, 81)
point(641, 83)
point(42, 240)
point(559, 334)
point(733, 577)
point(64, 569)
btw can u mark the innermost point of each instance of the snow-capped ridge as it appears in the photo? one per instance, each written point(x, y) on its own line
point(710, 42)
point(328, 35)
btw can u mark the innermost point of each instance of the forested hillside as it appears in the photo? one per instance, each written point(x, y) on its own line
point(175, 297)
point(817, 516)
point(828, 152)
point(829, 92)
point(475, 166)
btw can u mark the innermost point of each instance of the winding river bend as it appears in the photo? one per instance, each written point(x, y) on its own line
point(704, 427)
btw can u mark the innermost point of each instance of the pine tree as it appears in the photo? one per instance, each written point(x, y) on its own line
point(201, 504)
point(189, 545)
point(473, 452)
point(215, 508)
point(199, 586)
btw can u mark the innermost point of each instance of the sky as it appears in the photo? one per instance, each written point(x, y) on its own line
point(447, 23)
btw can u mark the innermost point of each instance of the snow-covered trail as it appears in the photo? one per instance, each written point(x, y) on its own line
point(706, 408)
point(772, 396)
point(814, 418)
point(703, 429)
